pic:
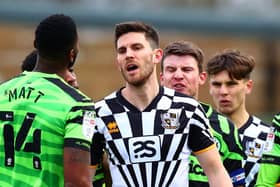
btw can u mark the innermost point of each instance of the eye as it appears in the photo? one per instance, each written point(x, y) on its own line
point(121, 50)
point(170, 69)
point(137, 46)
point(232, 83)
point(187, 69)
point(216, 84)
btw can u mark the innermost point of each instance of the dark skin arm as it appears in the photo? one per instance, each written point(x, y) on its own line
point(76, 170)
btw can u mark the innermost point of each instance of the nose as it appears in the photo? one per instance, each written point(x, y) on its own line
point(178, 74)
point(129, 53)
point(223, 89)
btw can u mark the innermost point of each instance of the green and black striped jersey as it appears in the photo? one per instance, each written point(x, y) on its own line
point(229, 146)
point(40, 114)
point(269, 173)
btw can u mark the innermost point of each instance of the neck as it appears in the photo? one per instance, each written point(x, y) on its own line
point(141, 96)
point(46, 66)
point(239, 118)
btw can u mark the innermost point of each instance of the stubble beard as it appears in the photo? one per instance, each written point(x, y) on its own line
point(139, 80)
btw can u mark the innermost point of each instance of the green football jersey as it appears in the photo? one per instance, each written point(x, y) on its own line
point(269, 173)
point(40, 114)
point(229, 146)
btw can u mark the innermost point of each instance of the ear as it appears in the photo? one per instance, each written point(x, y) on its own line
point(72, 55)
point(249, 86)
point(202, 77)
point(157, 55)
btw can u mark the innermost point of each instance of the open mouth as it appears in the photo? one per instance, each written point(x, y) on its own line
point(178, 86)
point(131, 67)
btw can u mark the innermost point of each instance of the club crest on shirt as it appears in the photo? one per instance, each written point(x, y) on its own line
point(254, 149)
point(170, 119)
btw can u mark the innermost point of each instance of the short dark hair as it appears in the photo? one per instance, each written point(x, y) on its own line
point(28, 64)
point(239, 66)
point(55, 36)
point(150, 32)
point(184, 48)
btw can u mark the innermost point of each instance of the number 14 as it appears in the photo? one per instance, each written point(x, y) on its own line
point(12, 144)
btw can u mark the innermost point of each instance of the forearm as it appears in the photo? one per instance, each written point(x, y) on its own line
point(214, 169)
point(220, 178)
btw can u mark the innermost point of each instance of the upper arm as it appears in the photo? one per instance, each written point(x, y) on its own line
point(77, 141)
point(209, 160)
point(76, 167)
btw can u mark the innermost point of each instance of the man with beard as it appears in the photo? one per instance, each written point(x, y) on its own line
point(149, 131)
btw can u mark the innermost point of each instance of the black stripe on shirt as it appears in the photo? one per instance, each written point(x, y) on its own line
point(69, 90)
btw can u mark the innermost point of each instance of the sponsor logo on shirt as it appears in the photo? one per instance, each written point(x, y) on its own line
point(195, 168)
point(144, 149)
point(113, 127)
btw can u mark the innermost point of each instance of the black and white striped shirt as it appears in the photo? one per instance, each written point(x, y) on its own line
point(151, 147)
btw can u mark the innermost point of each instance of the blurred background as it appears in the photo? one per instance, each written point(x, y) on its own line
point(252, 26)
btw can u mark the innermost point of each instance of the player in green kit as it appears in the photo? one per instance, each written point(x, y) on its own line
point(28, 64)
point(269, 173)
point(46, 125)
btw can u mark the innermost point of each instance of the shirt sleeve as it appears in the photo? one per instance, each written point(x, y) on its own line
point(79, 127)
point(200, 137)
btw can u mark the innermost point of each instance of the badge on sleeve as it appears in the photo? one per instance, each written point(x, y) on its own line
point(88, 124)
point(269, 140)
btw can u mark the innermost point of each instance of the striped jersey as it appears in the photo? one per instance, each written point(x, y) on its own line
point(150, 148)
point(229, 145)
point(269, 173)
point(40, 114)
point(254, 140)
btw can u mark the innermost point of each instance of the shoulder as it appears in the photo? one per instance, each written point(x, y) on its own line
point(105, 105)
point(64, 88)
point(221, 123)
point(276, 119)
point(260, 124)
point(11, 81)
point(179, 98)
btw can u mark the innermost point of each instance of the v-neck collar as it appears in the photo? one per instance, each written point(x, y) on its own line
point(131, 107)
